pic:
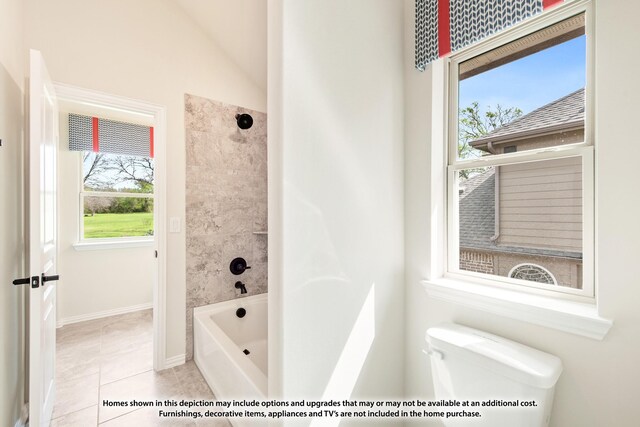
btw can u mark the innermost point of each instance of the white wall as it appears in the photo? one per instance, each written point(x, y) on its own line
point(336, 198)
point(94, 283)
point(147, 50)
point(11, 211)
point(599, 385)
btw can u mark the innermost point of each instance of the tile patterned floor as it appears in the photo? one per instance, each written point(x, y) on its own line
point(112, 359)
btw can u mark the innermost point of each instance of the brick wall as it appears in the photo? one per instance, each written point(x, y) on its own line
point(479, 262)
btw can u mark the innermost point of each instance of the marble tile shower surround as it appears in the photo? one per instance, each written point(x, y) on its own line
point(226, 202)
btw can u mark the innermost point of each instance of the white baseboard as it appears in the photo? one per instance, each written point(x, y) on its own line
point(100, 314)
point(24, 416)
point(178, 360)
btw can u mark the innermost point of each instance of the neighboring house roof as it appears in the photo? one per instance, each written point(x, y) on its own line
point(477, 211)
point(562, 114)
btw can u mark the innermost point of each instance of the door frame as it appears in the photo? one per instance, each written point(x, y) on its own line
point(89, 97)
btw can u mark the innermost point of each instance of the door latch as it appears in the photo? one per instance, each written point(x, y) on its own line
point(35, 281)
point(49, 278)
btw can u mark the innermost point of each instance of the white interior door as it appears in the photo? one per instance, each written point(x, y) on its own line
point(43, 147)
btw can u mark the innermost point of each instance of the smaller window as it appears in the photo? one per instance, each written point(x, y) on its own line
point(116, 185)
point(117, 196)
point(532, 273)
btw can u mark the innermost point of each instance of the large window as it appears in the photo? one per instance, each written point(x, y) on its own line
point(520, 162)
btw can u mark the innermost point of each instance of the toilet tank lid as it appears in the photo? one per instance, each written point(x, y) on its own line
point(500, 355)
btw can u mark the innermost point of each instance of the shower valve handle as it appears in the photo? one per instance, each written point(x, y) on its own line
point(238, 266)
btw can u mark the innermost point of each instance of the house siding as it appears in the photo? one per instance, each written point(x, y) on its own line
point(552, 140)
point(540, 205)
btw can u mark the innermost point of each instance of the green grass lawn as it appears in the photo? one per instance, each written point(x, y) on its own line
point(118, 225)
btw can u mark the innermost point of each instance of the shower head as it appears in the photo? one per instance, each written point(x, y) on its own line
point(245, 121)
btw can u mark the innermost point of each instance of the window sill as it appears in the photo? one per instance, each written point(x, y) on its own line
point(102, 245)
point(568, 316)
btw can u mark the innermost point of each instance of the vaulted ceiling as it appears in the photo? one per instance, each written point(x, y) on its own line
point(239, 27)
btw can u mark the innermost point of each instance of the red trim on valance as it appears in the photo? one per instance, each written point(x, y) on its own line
point(96, 143)
point(151, 142)
point(548, 3)
point(444, 28)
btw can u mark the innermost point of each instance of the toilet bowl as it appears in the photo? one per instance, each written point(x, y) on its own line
point(497, 382)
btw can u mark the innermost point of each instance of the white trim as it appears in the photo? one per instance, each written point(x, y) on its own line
point(82, 194)
point(528, 156)
point(100, 245)
point(24, 416)
point(584, 150)
point(100, 314)
point(568, 316)
point(178, 360)
point(577, 314)
point(157, 115)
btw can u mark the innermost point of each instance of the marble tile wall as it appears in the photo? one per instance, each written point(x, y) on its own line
point(226, 203)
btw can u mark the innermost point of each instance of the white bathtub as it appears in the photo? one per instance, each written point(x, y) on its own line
point(220, 341)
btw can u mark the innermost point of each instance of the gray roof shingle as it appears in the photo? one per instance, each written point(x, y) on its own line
point(566, 111)
point(477, 211)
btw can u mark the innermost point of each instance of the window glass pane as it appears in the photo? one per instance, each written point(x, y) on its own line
point(106, 217)
point(524, 95)
point(523, 221)
point(112, 172)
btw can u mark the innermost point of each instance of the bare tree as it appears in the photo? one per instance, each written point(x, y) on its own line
point(138, 170)
point(95, 164)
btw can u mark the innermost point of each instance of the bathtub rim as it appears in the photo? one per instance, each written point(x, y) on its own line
point(246, 366)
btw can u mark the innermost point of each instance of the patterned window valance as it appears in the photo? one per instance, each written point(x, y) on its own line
point(109, 136)
point(444, 26)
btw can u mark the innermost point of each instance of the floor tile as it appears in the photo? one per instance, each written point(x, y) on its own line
point(147, 418)
point(75, 394)
point(81, 362)
point(126, 364)
point(112, 359)
point(87, 417)
point(193, 384)
point(112, 344)
point(148, 386)
point(140, 315)
point(213, 422)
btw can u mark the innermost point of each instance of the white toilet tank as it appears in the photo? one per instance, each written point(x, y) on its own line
point(475, 366)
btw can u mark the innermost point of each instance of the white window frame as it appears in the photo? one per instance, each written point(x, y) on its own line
point(111, 242)
point(573, 311)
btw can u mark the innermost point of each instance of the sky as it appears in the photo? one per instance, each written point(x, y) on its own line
point(529, 82)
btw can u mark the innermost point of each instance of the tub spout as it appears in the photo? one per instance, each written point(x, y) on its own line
point(242, 287)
